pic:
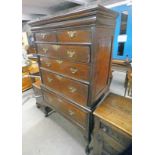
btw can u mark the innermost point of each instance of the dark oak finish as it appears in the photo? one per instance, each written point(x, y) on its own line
point(74, 36)
point(73, 70)
point(113, 125)
point(75, 60)
point(66, 108)
point(69, 88)
point(45, 36)
point(67, 52)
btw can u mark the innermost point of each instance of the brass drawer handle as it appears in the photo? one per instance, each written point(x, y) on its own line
point(70, 53)
point(49, 79)
point(58, 77)
point(43, 35)
point(59, 61)
point(73, 70)
point(55, 47)
point(48, 64)
point(71, 113)
point(72, 89)
point(72, 34)
point(45, 50)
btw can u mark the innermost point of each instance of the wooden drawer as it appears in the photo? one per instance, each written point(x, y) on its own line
point(83, 36)
point(108, 144)
point(72, 53)
point(78, 71)
point(71, 89)
point(117, 135)
point(45, 36)
point(49, 50)
point(66, 108)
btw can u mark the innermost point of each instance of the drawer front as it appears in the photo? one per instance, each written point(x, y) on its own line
point(72, 53)
point(50, 37)
point(71, 89)
point(49, 50)
point(74, 36)
point(108, 144)
point(66, 108)
point(78, 71)
point(120, 137)
point(75, 53)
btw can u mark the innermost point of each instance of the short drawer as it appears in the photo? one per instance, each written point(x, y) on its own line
point(66, 108)
point(45, 36)
point(108, 144)
point(71, 53)
point(48, 50)
point(83, 36)
point(71, 89)
point(75, 70)
point(119, 136)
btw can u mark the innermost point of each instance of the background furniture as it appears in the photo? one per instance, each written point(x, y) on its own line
point(128, 82)
point(75, 51)
point(26, 81)
point(39, 98)
point(120, 65)
point(28, 75)
point(112, 133)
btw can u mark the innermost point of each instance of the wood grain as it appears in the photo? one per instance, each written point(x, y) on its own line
point(116, 110)
point(73, 70)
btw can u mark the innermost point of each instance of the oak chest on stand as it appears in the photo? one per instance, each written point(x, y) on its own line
point(75, 58)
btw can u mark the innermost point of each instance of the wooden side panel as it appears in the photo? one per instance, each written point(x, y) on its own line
point(102, 60)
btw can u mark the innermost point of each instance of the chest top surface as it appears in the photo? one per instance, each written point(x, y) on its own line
point(66, 18)
point(116, 110)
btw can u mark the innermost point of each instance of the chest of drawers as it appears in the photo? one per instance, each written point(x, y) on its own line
point(75, 58)
point(112, 133)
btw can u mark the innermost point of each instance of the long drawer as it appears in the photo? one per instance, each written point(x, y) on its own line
point(63, 106)
point(76, 70)
point(71, 89)
point(72, 53)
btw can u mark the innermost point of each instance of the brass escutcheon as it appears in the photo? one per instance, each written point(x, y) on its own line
point(49, 79)
point(71, 112)
point(45, 50)
point(70, 53)
point(73, 70)
point(59, 61)
point(43, 35)
point(72, 89)
point(72, 34)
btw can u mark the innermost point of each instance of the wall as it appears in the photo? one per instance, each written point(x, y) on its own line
point(128, 43)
